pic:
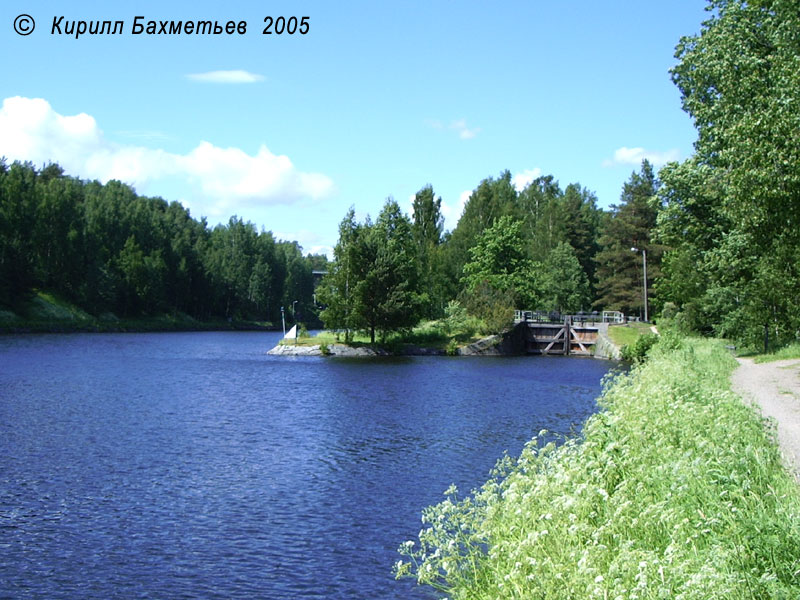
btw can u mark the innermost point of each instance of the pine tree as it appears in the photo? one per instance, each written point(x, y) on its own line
point(626, 234)
point(427, 230)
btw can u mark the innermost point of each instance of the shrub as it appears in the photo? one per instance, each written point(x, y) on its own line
point(637, 351)
point(495, 308)
point(452, 348)
point(455, 317)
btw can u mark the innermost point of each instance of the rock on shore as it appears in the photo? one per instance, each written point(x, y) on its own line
point(333, 350)
point(349, 351)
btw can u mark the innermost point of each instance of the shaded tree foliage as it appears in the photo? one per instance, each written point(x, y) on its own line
point(564, 284)
point(109, 250)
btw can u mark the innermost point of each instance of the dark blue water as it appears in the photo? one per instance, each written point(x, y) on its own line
point(196, 466)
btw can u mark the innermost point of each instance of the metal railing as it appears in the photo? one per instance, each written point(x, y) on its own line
point(541, 316)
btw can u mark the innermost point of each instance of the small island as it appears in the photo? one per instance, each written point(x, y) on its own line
point(545, 336)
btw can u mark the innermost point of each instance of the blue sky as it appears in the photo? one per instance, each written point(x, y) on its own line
point(377, 100)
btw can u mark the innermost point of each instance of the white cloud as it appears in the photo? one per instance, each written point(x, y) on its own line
point(218, 178)
point(312, 243)
point(237, 76)
point(326, 250)
point(452, 212)
point(524, 179)
point(410, 206)
point(459, 126)
point(635, 156)
point(464, 132)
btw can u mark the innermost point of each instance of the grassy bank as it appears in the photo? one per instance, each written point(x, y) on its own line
point(625, 335)
point(45, 313)
point(429, 334)
point(675, 490)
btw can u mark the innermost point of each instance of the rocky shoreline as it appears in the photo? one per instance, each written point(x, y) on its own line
point(493, 345)
point(343, 350)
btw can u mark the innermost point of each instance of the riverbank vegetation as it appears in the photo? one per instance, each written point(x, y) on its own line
point(674, 490)
point(623, 335)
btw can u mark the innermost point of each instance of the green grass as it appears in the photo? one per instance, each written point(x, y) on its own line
point(787, 352)
point(623, 335)
point(45, 312)
point(674, 490)
point(326, 337)
point(47, 307)
point(429, 334)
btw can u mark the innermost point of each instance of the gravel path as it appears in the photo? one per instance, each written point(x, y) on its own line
point(775, 387)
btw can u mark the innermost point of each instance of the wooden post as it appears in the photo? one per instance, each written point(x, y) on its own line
point(567, 335)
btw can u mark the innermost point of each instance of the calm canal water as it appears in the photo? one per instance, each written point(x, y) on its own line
point(196, 466)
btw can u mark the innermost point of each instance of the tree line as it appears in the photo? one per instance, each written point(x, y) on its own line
point(541, 248)
point(109, 250)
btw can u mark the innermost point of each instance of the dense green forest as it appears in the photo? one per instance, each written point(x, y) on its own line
point(535, 249)
point(721, 230)
point(112, 252)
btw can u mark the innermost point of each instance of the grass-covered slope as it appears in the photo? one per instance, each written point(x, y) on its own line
point(675, 490)
point(45, 312)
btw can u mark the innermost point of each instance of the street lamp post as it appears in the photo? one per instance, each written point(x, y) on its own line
point(644, 283)
point(283, 320)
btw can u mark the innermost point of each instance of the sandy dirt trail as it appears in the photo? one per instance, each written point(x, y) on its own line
point(775, 387)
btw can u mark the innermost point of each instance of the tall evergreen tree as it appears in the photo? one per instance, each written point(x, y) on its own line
point(545, 221)
point(628, 226)
point(373, 284)
point(427, 230)
point(337, 289)
point(582, 225)
point(392, 283)
point(17, 219)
